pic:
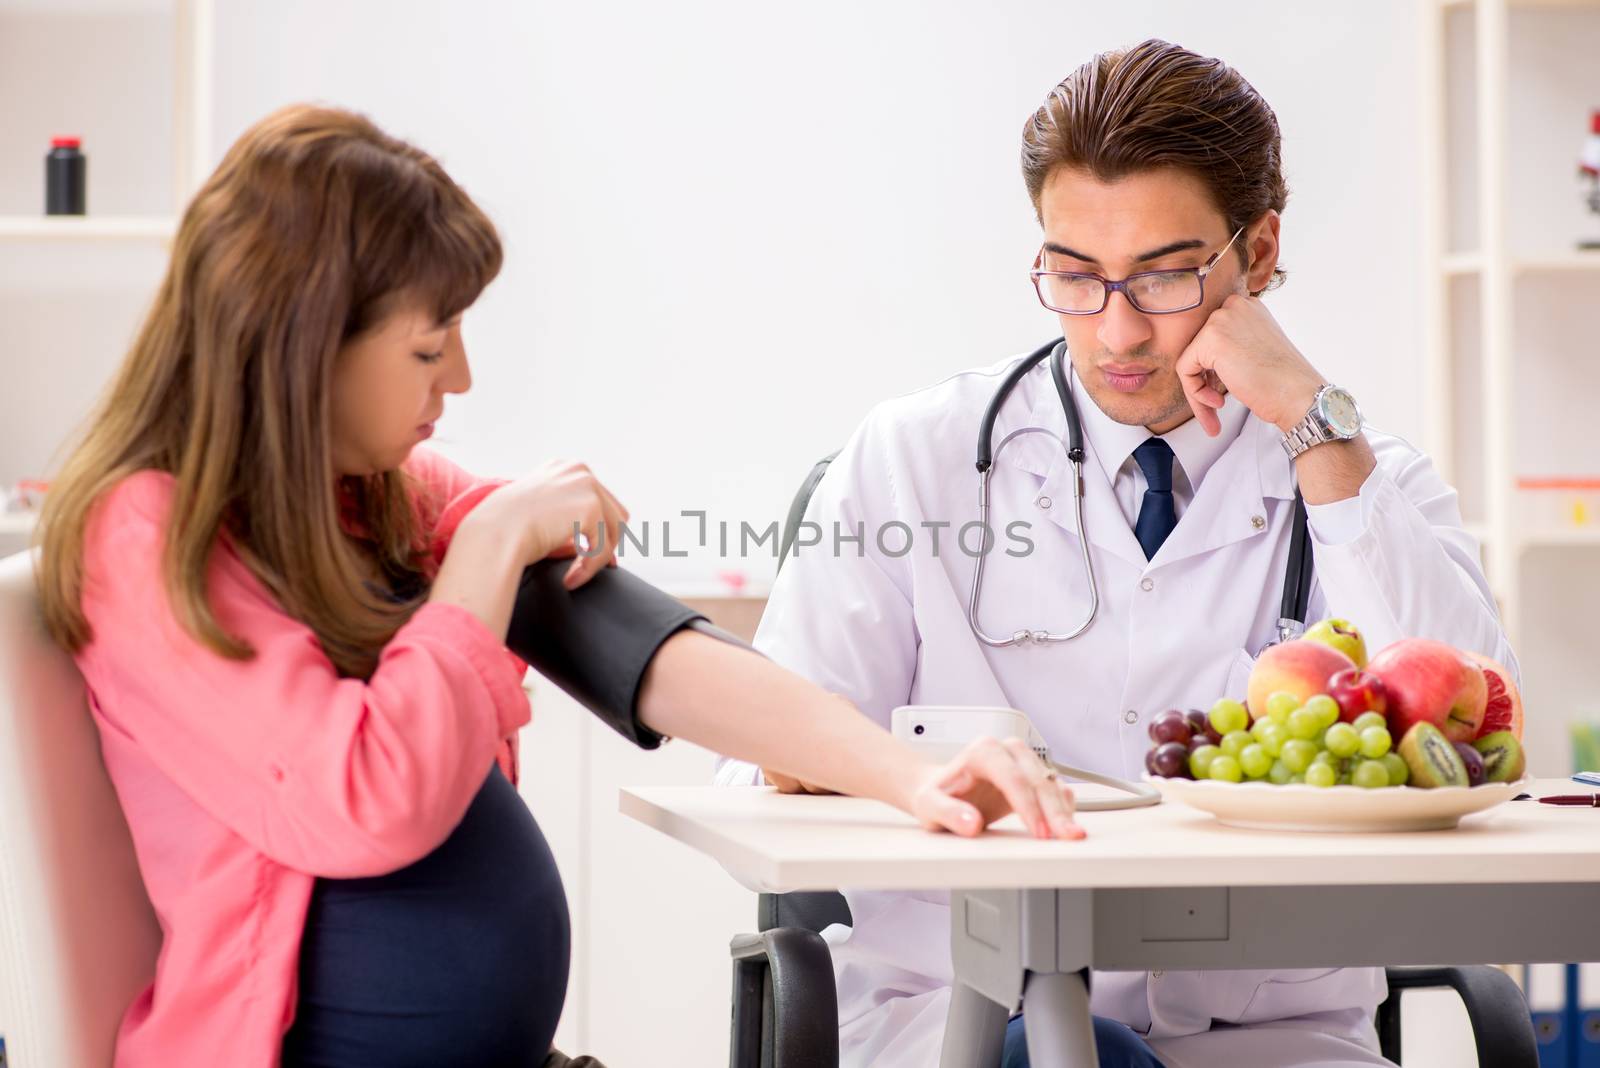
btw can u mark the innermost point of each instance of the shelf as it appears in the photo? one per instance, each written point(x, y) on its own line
point(1541, 538)
point(1571, 4)
point(87, 227)
point(1560, 536)
point(16, 522)
point(1458, 264)
point(1586, 260)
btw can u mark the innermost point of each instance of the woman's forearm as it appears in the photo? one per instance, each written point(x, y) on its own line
point(480, 574)
point(736, 702)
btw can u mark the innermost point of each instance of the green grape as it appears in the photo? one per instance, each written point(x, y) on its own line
point(1395, 765)
point(1370, 775)
point(1279, 773)
point(1325, 757)
point(1297, 754)
point(1325, 708)
point(1321, 775)
point(1272, 737)
point(1375, 741)
point(1225, 768)
point(1233, 742)
point(1303, 723)
point(1227, 716)
point(1320, 739)
point(1258, 729)
point(1295, 780)
point(1280, 704)
point(1342, 740)
point(1200, 760)
point(1255, 762)
point(1369, 719)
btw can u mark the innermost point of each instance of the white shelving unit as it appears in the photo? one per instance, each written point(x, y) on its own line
point(18, 525)
point(1495, 268)
point(87, 227)
point(192, 26)
point(193, 23)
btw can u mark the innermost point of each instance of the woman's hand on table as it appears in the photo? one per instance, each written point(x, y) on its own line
point(986, 781)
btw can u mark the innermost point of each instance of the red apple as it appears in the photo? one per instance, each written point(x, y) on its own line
point(1300, 667)
point(1431, 682)
point(1358, 691)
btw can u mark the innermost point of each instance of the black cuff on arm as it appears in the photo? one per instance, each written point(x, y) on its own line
point(595, 642)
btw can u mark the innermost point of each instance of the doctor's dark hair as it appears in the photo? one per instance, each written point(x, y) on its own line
point(1154, 106)
point(315, 227)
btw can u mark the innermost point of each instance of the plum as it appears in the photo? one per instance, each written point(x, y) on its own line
point(1473, 760)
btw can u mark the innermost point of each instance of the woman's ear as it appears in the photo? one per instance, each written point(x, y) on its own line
point(1261, 242)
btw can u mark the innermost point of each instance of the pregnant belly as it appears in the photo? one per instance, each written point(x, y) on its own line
point(459, 959)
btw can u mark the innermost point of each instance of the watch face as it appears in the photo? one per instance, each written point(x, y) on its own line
point(1339, 409)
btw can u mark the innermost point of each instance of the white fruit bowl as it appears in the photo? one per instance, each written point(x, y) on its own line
point(1297, 807)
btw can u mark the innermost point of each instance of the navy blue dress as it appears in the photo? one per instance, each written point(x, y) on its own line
point(459, 959)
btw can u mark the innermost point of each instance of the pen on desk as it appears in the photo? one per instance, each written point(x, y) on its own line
point(1584, 800)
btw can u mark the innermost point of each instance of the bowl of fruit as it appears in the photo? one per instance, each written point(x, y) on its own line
point(1325, 740)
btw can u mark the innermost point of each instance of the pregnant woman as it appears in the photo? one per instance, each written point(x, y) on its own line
point(292, 624)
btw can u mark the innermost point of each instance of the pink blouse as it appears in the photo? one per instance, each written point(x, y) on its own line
point(243, 781)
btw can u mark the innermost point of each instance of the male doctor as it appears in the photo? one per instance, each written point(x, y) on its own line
point(1156, 178)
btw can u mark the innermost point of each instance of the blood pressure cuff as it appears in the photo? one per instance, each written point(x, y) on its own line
point(595, 642)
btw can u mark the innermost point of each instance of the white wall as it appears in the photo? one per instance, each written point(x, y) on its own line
point(816, 210)
point(817, 207)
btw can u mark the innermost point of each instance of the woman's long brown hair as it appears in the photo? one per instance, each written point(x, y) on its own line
point(312, 228)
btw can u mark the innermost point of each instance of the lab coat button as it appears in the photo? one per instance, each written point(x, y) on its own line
point(1044, 502)
point(1259, 522)
point(1130, 717)
point(1147, 584)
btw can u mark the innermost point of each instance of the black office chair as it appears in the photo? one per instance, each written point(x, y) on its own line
point(786, 1010)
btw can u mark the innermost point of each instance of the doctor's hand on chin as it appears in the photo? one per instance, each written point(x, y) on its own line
point(986, 781)
point(1242, 350)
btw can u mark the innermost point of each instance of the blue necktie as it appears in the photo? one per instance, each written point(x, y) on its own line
point(1158, 514)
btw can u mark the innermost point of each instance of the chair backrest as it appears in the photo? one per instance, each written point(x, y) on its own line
point(811, 909)
point(78, 937)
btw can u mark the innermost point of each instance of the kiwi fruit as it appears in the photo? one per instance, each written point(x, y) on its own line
point(1431, 758)
point(1503, 759)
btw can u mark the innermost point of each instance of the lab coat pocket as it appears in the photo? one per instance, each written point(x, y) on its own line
point(1238, 682)
point(1185, 1003)
point(1300, 992)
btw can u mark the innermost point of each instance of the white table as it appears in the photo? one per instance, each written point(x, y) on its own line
point(1165, 887)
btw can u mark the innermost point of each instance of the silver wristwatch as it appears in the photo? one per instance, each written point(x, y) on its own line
point(1334, 416)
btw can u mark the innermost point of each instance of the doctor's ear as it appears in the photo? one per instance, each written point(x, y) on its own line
point(1261, 244)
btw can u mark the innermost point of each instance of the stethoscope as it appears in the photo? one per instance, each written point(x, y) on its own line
point(1296, 580)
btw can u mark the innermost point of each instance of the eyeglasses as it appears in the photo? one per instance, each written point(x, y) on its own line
point(1152, 292)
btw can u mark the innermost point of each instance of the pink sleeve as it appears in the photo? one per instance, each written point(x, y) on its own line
point(449, 493)
point(330, 776)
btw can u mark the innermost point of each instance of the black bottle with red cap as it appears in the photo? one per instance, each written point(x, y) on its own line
point(66, 178)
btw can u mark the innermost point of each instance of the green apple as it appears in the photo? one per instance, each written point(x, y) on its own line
point(1340, 634)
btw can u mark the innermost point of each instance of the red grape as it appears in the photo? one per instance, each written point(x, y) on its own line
point(1202, 726)
point(1170, 760)
point(1170, 727)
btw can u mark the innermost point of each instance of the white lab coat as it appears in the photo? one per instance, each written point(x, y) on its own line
point(1177, 631)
